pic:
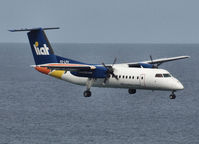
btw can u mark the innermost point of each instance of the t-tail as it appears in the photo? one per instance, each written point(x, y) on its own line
point(41, 48)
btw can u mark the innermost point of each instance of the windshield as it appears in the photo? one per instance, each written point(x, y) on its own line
point(166, 75)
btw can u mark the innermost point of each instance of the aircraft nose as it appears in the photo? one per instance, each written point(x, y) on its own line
point(179, 86)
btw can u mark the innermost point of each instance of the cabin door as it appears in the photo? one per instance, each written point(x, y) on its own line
point(142, 80)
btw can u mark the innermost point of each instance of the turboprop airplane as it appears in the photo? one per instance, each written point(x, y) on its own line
point(132, 76)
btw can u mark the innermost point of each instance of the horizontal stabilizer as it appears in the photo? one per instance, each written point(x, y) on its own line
point(33, 29)
point(69, 67)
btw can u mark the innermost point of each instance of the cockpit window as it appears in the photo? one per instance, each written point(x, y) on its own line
point(158, 75)
point(166, 75)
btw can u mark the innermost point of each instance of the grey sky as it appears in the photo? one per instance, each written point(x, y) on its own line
point(109, 21)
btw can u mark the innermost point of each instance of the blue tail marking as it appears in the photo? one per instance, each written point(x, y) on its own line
point(41, 48)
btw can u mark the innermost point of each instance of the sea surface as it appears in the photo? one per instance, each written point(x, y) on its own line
point(38, 109)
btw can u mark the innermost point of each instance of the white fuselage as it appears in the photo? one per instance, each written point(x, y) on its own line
point(132, 78)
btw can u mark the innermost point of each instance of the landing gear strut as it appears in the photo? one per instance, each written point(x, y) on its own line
point(132, 91)
point(87, 92)
point(172, 96)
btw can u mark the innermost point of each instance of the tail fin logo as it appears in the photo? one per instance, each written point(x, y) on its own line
point(42, 50)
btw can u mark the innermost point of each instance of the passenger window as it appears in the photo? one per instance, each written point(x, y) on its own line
point(133, 77)
point(138, 77)
point(158, 75)
point(129, 77)
point(126, 77)
point(142, 78)
point(119, 76)
point(123, 76)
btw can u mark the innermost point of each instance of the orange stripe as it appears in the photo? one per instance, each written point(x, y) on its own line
point(65, 65)
point(43, 70)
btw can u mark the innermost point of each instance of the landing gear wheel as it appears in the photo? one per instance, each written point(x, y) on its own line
point(132, 91)
point(172, 96)
point(87, 93)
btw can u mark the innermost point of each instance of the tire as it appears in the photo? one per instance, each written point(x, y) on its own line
point(172, 96)
point(87, 93)
point(132, 91)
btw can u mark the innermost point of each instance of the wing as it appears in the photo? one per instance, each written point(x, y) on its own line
point(162, 60)
point(69, 67)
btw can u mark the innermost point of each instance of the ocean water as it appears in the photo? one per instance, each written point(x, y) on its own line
point(37, 109)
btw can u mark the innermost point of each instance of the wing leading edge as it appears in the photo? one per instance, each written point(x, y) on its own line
point(160, 61)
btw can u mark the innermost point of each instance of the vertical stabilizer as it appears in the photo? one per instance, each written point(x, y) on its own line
point(41, 48)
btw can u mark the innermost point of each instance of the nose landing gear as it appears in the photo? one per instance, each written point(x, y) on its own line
point(172, 96)
point(132, 91)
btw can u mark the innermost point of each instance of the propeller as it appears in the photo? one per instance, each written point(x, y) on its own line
point(110, 71)
point(153, 65)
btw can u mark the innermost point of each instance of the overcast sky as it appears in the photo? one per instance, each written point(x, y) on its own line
point(103, 21)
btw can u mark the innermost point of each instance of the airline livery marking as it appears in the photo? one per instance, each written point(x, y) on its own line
point(42, 50)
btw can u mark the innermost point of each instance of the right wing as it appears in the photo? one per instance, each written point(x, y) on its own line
point(159, 61)
point(163, 60)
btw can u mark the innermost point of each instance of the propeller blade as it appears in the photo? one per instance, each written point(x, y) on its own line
point(159, 64)
point(105, 81)
point(114, 76)
point(114, 61)
point(104, 64)
point(109, 68)
point(153, 65)
point(151, 58)
point(110, 71)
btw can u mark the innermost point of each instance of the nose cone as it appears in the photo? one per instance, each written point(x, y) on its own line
point(179, 86)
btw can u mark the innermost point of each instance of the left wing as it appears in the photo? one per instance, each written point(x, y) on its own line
point(69, 67)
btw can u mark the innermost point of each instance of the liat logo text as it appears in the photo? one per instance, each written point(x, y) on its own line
point(42, 50)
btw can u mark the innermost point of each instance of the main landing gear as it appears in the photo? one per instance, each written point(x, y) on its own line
point(172, 96)
point(87, 92)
